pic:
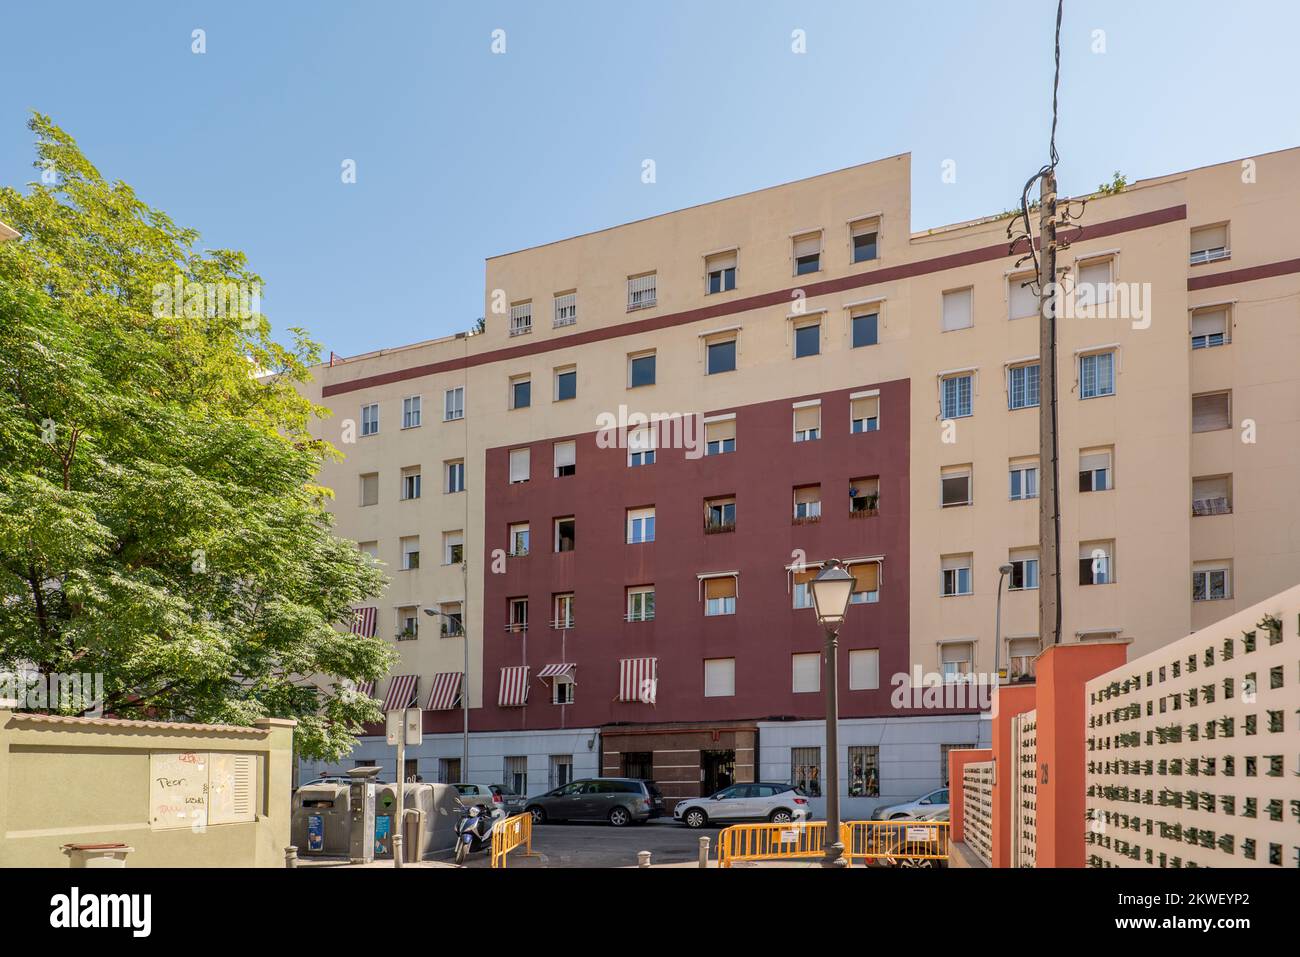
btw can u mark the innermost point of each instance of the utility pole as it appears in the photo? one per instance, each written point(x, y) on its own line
point(1049, 498)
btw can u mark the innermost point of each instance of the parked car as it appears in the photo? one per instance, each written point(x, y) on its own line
point(760, 801)
point(620, 801)
point(903, 845)
point(927, 807)
point(488, 796)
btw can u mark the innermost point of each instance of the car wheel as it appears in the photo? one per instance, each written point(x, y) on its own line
point(620, 817)
point(780, 816)
point(539, 815)
point(695, 818)
point(917, 862)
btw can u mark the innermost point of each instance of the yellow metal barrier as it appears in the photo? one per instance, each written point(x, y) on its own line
point(891, 841)
point(510, 834)
point(771, 842)
point(897, 842)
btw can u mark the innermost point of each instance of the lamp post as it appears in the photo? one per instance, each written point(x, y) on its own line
point(832, 589)
point(464, 682)
point(1003, 572)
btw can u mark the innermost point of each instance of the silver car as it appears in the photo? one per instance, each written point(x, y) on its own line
point(760, 801)
point(928, 807)
point(489, 796)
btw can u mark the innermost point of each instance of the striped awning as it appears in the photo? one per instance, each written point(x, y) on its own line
point(401, 692)
point(364, 620)
point(557, 671)
point(638, 679)
point(445, 691)
point(514, 687)
point(366, 688)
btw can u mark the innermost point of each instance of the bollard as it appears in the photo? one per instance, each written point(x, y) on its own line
point(291, 856)
point(704, 852)
point(643, 859)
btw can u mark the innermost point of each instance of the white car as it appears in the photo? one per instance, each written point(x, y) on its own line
point(761, 801)
point(927, 807)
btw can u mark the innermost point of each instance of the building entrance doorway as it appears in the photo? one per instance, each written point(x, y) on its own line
point(718, 770)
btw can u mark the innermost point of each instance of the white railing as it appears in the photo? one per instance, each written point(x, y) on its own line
point(1193, 750)
point(977, 809)
point(1024, 798)
point(566, 310)
point(1218, 505)
point(1210, 255)
point(521, 319)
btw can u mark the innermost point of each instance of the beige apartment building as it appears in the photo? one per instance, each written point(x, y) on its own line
point(825, 349)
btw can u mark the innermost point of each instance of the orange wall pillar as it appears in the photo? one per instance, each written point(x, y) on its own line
point(1008, 701)
point(1061, 673)
point(958, 759)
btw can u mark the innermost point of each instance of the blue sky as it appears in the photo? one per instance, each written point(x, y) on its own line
point(462, 154)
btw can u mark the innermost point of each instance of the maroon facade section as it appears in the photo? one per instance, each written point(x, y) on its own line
point(764, 631)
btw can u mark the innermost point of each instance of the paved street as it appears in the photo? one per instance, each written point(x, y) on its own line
point(599, 845)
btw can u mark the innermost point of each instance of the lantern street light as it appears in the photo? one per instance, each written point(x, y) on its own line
point(832, 590)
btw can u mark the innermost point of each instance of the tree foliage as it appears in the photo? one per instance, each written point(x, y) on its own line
point(159, 518)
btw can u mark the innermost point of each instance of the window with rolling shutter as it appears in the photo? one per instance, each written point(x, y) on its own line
point(955, 486)
point(1211, 411)
point(1212, 495)
point(720, 596)
point(720, 273)
point(807, 253)
point(1094, 283)
point(864, 414)
point(864, 669)
point(370, 489)
point(957, 310)
point(566, 458)
point(520, 466)
point(807, 422)
point(956, 659)
point(807, 672)
point(863, 234)
point(1022, 298)
point(719, 677)
point(1096, 470)
point(1209, 243)
point(955, 572)
point(866, 583)
point(1210, 328)
point(720, 436)
point(801, 582)
point(1022, 652)
point(1096, 563)
point(807, 503)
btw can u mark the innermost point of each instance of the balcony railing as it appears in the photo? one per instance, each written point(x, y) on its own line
point(1219, 505)
point(559, 624)
point(1210, 255)
point(515, 627)
point(719, 528)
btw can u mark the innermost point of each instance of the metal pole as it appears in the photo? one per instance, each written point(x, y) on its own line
point(464, 691)
point(1049, 529)
point(997, 630)
point(401, 791)
point(834, 856)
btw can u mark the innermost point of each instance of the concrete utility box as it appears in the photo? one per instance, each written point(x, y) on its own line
point(322, 820)
point(431, 813)
point(361, 815)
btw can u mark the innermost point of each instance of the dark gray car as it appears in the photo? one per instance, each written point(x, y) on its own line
point(620, 801)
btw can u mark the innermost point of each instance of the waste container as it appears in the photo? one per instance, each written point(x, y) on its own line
point(430, 813)
point(321, 820)
point(361, 815)
point(97, 855)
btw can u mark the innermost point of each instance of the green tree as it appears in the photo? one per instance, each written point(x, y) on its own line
point(159, 518)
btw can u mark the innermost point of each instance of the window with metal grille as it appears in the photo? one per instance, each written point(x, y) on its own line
point(806, 771)
point(1096, 375)
point(515, 774)
point(1022, 386)
point(641, 291)
point(566, 309)
point(956, 402)
point(864, 771)
point(521, 318)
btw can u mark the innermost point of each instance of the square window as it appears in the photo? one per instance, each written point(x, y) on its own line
point(1022, 386)
point(566, 384)
point(864, 496)
point(1211, 411)
point(1024, 569)
point(411, 408)
point(1096, 563)
point(1211, 327)
point(566, 459)
point(1212, 495)
point(455, 476)
point(520, 465)
point(453, 405)
point(807, 422)
point(720, 273)
point(721, 357)
point(807, 672)
point(807, 340)
point(805, 766)
point(1022, 297)
point(521, 392)
point(453, 548)
point(566, 532)
point(518, 533)
point(452, 623)
point(719, 677)
point(1210, 244)
point(956, 659)
point(410, 553)
point(641, 603)
point(641, 292)
point(807, 253)
point(720, 436)
point(720, 596)
point(1023, 476)
point(1096, 375)
point(566, 309)
point(370, 419)
point(641, 448)
point(518, 612)
point(807, 503)
point(1096, 470)
point(956, 575)
point(410, 483)
point(864, 770)
point(863, 234)
point(1211, 581)
point(562, 692)
point(1095, 285)
point(955, 486)
point(640, 525)
point(720, 514)
point(563, 607)
point(641, 370)
point(864, 413)
point(958, 309)
point(865, 329)
point(370, 489)
point(521, 318)
point(956, 401)
point(866, 583)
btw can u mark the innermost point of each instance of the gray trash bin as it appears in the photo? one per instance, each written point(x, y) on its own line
point(431, 811)
point(320, 820)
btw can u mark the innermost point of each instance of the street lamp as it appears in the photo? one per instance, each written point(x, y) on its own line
point(832, 589)
point(1003, 572)
point(464, 682)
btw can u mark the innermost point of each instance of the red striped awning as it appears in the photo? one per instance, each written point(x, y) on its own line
point(364, 620)
point(514, 687)
point(638, 679)
point(401, 692)
point(366, 688)
point(557, 671)
point(445, 691)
